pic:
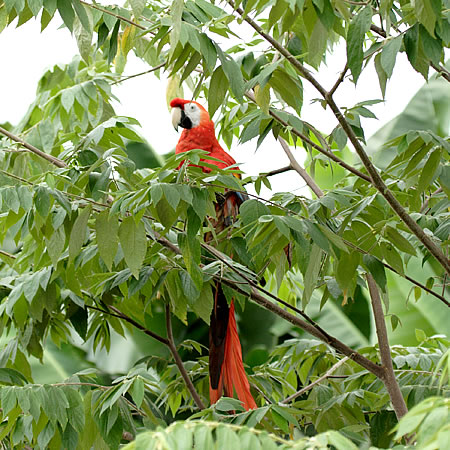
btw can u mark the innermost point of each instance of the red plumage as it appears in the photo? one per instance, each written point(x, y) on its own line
point(226, 368)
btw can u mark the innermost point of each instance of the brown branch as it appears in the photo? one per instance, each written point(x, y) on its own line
point(330, 340)
point(153, 69)
point(388, 377)
point(9, 255)
point(57, 162)
point(300, 170)
point(179, 362)
point(278, 171)
point(441, 70)
point(378, 30)
point(319, 380)
point(138, 325)
point(117, 16)
point(339, 80)
point(377, 181)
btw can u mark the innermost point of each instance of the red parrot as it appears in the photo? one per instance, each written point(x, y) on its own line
point(226, 370)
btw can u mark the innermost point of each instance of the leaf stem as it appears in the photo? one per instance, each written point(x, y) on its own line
point(55, 161)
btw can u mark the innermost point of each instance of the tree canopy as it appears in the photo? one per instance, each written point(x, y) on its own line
point(103, 240)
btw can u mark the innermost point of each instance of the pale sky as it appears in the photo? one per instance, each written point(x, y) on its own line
point(27, 53)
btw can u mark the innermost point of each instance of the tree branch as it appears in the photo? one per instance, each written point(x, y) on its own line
point(153, 69)
point(179, 362)
point(441, 70)
point(137, 325)
point(377, 181)
point(117, 16)
point(57, 162)
point(278, 171)
point(388, 377)
point(304, 138)
point(319, 380)
point(299, 169)
point(339, 80)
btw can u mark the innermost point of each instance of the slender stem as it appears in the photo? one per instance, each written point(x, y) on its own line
point(139, 326)
point(319, 380)
point(117, 16)
point(339, 80)
point(388, 377)
point(299, 169)
point(377, 181)
point(57, 162)
point(427, 200)
point(442, 71)
point(179, 362)
point(153, 69)
point(278, 171)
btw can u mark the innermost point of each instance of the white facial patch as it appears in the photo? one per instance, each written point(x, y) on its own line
point(193, 112)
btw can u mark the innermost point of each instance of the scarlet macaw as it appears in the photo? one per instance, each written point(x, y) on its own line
point(226, 370)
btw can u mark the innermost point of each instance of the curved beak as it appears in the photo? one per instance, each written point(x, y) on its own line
point(176, 117)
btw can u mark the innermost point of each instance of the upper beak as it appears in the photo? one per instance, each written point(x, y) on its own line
point(176, 117)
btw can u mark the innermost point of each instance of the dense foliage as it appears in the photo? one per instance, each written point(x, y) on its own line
point(98, 246)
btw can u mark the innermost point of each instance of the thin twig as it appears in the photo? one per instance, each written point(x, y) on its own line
point(9, 255)
point(139, 326)
point(117, 16)
point(153, 69)
point(278, 171)
point(299, 169)
point(57, 162)
point(427, 200)
point(179, 362)
point(319, 380)
point(388, 378)
point(441, 70)
point(339, 80)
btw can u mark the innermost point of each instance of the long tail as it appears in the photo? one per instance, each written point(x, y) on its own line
point(226, 369)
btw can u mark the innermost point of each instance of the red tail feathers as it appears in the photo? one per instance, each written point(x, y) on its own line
point(232, 372)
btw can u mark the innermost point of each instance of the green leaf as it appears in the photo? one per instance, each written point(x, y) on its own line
point(357, 30)
point(78, 233)
point(82, 14)
point(232, 72)
point(67, 14)
point(290, 89)
point(218, 87)
point(347, 269)
point(137, 6)
point(312, 274)
point(251, 210)
point(176, 11)
point(56, 244)
point(107, 228)
point(84, 39)
point(376, 268)
point(133, 241)
point(429, 170)
point(3, 17)
point(389, 55)
point(425, 14)
point(137, 391)
point(399, 241)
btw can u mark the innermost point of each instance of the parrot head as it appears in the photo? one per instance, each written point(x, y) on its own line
point(188, 114)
